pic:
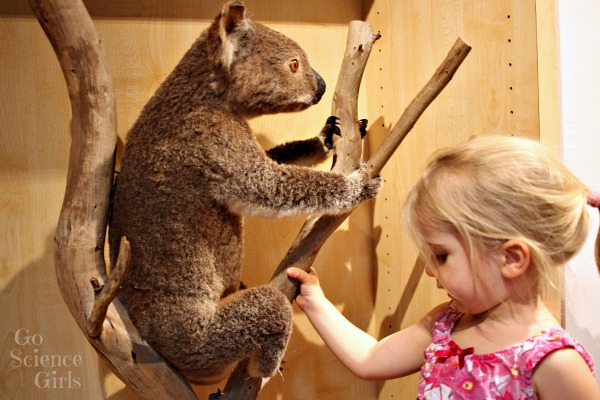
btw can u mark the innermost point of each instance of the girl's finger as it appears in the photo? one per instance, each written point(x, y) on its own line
point(301, 275)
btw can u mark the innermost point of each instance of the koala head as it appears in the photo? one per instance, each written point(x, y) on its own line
point(263, 71)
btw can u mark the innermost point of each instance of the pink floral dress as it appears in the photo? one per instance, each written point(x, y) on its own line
point(452, 373)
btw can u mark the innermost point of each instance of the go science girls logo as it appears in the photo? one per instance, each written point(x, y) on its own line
point(54, 371)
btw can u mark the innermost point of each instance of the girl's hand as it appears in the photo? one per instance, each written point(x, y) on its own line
point(310, 290)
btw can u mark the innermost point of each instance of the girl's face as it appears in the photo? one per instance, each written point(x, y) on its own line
point(451, 267)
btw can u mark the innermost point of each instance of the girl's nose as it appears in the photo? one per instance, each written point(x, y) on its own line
point(428, 271)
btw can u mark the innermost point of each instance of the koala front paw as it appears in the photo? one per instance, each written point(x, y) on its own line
point(370, 187)
point(331, 128)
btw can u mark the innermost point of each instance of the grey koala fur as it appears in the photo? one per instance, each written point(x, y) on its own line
point(191, 168)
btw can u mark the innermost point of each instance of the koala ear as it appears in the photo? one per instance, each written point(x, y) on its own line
point(233, 15)
point(232, 21)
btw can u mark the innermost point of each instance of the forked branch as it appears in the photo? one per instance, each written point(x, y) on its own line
point(108, 292)
point(359, 43)
point(317, 229)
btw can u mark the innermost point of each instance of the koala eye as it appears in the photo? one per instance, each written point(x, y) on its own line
point(294, 65)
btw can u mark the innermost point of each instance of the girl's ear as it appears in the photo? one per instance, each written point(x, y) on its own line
point(517, 258)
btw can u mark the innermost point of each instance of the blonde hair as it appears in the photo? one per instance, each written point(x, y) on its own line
point(491, 189)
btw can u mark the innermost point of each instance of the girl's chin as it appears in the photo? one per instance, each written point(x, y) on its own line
point(467, 308)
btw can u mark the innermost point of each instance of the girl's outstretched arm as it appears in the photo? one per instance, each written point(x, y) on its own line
point(397, 355)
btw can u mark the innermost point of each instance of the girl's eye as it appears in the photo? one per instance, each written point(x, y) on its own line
point(441, 258)
point(294, 65)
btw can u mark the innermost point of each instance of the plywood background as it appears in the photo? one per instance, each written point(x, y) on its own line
point(368, 268)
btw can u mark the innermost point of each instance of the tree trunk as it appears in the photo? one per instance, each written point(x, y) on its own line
point(79, 240)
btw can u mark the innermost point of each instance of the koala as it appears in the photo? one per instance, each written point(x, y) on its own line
point(191, 169)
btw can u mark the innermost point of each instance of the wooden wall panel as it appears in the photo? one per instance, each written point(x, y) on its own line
point(372, 275)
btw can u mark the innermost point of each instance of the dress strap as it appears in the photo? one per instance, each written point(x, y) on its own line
point(547, 341)
point(444, 323)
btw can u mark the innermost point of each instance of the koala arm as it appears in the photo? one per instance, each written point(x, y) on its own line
point(299, 152)
point(247, 182)
point(237, 173)
point(276, 190)
point(314, 150)
point(307, 152)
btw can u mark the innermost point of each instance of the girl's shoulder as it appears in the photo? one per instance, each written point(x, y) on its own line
point(559, 364)
point(536, 348)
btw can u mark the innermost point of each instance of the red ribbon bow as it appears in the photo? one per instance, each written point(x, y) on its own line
point(454, 350)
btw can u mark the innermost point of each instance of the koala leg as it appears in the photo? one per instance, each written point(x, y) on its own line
point(254, 323)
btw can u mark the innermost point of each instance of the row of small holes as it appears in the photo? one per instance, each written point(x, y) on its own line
point(510, 65)
point(387, 236)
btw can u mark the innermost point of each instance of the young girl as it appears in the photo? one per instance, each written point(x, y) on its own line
point(493, 217)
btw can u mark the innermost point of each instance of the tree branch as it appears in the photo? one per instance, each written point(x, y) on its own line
point(240, 385)
point(79, 240)
point(80, 235)
point(316, 230)
point(424, 98)
point(108, 293)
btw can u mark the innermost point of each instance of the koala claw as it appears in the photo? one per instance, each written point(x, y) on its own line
point(362, 127)
point(332, 120)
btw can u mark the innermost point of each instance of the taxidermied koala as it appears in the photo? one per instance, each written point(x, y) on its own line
point(191, 168)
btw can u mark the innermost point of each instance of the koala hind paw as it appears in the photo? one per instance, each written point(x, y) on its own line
point(262, 367)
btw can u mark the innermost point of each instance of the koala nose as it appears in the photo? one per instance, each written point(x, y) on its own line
point(320, 86)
